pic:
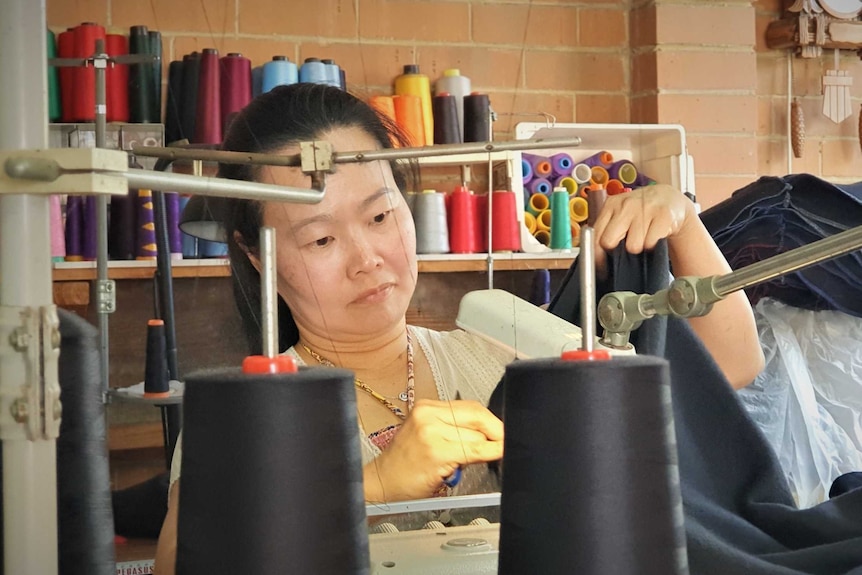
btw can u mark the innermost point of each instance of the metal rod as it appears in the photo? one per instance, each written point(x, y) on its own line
point(268, 291)
point(29, 465)
point(788, 262)
point(177, 153)
point(100, 127)
point(587, 277)
point(221, 187)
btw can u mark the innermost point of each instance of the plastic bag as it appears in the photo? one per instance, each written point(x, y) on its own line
point(808, 399)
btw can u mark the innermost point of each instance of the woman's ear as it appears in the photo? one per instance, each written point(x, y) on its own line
point(255, 262)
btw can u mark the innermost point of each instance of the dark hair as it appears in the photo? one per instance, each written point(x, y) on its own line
point(283, 116)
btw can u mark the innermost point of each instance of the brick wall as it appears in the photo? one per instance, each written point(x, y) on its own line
point(701, 64)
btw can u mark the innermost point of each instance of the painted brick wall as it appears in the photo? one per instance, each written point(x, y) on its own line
point(701, 64)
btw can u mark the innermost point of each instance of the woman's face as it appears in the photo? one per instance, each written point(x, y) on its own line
point(346, 266)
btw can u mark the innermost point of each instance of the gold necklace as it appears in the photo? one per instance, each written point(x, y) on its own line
point(408, 395)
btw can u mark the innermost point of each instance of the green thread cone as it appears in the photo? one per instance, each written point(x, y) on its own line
point(561, 230)
point(54, 109)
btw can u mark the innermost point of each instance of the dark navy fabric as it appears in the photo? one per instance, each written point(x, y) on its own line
point(740, 516)
point(777, 214)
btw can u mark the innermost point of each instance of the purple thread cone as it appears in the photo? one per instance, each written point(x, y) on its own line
point(540, 186)
point(91, 228)
point(74, 228)
point(561, 164)
point(526, 171)
point(175, 241)
point(603, 159)
point(624, 171)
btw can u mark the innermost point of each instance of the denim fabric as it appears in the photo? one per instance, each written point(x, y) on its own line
point(774, 215)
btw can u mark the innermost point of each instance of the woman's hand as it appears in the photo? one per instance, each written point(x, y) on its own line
point(434, 440)
point(643, 217)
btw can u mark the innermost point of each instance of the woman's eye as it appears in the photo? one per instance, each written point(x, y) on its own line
point(322, 242)
point(379, 218)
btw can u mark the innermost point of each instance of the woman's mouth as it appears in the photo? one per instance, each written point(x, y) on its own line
point(375, 295)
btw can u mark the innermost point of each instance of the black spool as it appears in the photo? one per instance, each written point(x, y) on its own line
point(189, 94)
point(477, 118)
point(173, 115)
point(268, 485)
point(590, 475)
point(156, 378)
point(155, 49)
point(141, 80)
point(447, 129)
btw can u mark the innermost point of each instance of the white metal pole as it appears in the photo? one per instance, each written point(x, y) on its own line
point(29, 465)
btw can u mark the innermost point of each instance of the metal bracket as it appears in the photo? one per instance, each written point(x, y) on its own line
point(105, 296)
point(316, 161)
point(64, 171)
point(29, 387)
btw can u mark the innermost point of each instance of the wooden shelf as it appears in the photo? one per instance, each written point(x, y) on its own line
point(126, 270)
point(218, 267)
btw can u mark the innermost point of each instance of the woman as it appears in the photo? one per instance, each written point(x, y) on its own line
point(347, 270)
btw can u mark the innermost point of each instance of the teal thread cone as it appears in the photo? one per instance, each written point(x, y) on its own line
point(561, 230)
point(53, 83)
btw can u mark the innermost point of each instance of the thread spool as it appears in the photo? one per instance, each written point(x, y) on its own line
point(256, 81)
point(603, 158)
point(333, 73)
point(540, 164)
point(463, 222)
point(429, 213)
point(543, 220)
point(146, 227)
point(561, 225)
point(269, 514)
point(74, 228)
point(189, 95)
point(408, 115)
point(599, 175)
point(539, 202)
point(540, 288)
point(576, 234)
point(452, 82)
point(540, 186)
point(615, 187)
point(579, 209)
point(624, 171)
point(280, 71)
point(595, 200)
point(173, 114)
point(543, 237)
point(481, 207)
point(477, 118)
point(84, 104)
point(567, 423)
point(156, 377)
point(154, 48)
point(561, 164)
point(530, 222)
point(505, 228)
point(446, 130)
point(384, 105)
point(235, 86)
point(208, 117)
point(526, 171)
point(58, 240)
point(141, 81)
point(122, 226)
point(582, 173)
point(413, 82)
point(90, 237)
point(343, 77)
point(117, 80)
point(54, 109)
point(643, 181)
point(175, 241)
point(67, 76)
point(313, 71)
point(567, 182)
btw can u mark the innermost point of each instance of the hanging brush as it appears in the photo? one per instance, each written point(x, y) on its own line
point(797, 128)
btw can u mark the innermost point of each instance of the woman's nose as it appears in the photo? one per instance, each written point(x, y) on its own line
point(365, 255)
